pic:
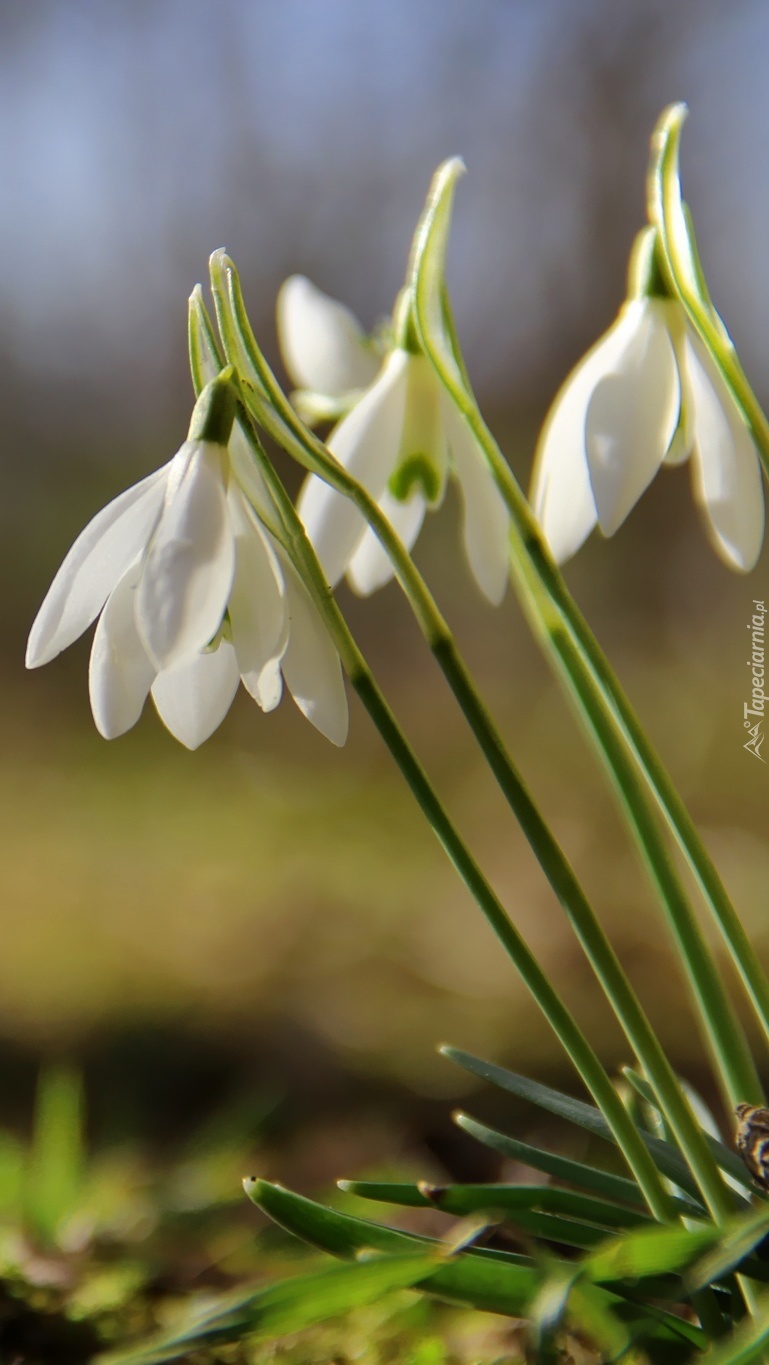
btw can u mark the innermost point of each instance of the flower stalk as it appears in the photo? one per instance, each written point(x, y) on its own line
point(619, 737)
point(562, 1022)
point(279, 419)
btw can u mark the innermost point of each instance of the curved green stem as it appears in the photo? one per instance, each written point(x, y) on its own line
point(626, 753)
point(561, 876)
point(580, 662)
point(560, 1019)
point(684, 274)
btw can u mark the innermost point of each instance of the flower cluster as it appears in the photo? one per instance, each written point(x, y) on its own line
point(647, 394)
point(197, 591)
point(193, 597)
point(401, 440)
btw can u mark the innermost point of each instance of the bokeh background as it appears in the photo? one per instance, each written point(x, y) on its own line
point(269, 916)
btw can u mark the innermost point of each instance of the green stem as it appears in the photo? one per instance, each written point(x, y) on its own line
point(595, 943)
point(562, 1022)
point(624, 749)
point(561, 876)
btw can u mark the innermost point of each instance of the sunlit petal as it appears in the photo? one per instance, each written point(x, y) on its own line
point(561, 493)
point(188, 570)
point(97, 560)
point(193, 698)
point(633, 413)
point(367, 443)
point(726, 471)
point(257, 609)
point(324, 347)
point(486, 519)
point(370, 567)
point(120, 673)
point(311, 667)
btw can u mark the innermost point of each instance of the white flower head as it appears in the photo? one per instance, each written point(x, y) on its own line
point(647, 394)
point(401, 440)
point(193, 596)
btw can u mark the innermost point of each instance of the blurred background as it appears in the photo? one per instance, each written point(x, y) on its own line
point(269, 916)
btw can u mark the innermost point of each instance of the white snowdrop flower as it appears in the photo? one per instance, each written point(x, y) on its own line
point(647, 394)
point(193, 597)
point(401, 440)
point(325, 350)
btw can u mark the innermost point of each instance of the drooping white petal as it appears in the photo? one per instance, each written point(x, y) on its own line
point(486, 519)
point(370, 567)
point(188, 569)
point(561, 493)
point(324, 347)
point(366, 442)
point(311, 667)
point(120, 672)
point(726, 471)
point(257, 609)
point(633, 413)
point(193, 698)
point(99, 557)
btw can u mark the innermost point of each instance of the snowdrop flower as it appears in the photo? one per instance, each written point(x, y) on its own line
point(193, 596)
point(647, 394)
point(401, 440)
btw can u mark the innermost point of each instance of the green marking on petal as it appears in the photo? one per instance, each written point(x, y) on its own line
point(417, 471)
point(646, 277)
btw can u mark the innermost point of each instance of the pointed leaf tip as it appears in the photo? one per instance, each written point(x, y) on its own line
point(450, 169)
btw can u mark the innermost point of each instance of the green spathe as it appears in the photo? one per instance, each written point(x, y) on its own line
point(214, 411)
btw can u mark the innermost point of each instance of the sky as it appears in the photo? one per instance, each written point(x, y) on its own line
point(139, 135)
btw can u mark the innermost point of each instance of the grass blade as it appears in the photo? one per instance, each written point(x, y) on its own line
point(282, 1308)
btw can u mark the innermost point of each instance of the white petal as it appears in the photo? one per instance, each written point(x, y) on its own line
point(97, 560)
point(632, 415)
point(311, 666)
point(120, 673)
point(187, 572)
point(257, 609)
point(247, 472)
point(367, 443)
point(486, 519)
point(561, 493)
point(323, 345)
point(727, 475)
point(193, 698)
point(370, 567)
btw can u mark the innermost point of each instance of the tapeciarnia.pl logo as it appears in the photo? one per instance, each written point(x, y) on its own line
point(753, 710)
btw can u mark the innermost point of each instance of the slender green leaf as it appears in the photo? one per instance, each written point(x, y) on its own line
point(499, 1282)
point(564, 1168)
point(649, 1251)
point(281, 1308)
point(728, 1160)
point(496, 1281)
point(667, 1158)
point(737, 1241)
point(464, 1199)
